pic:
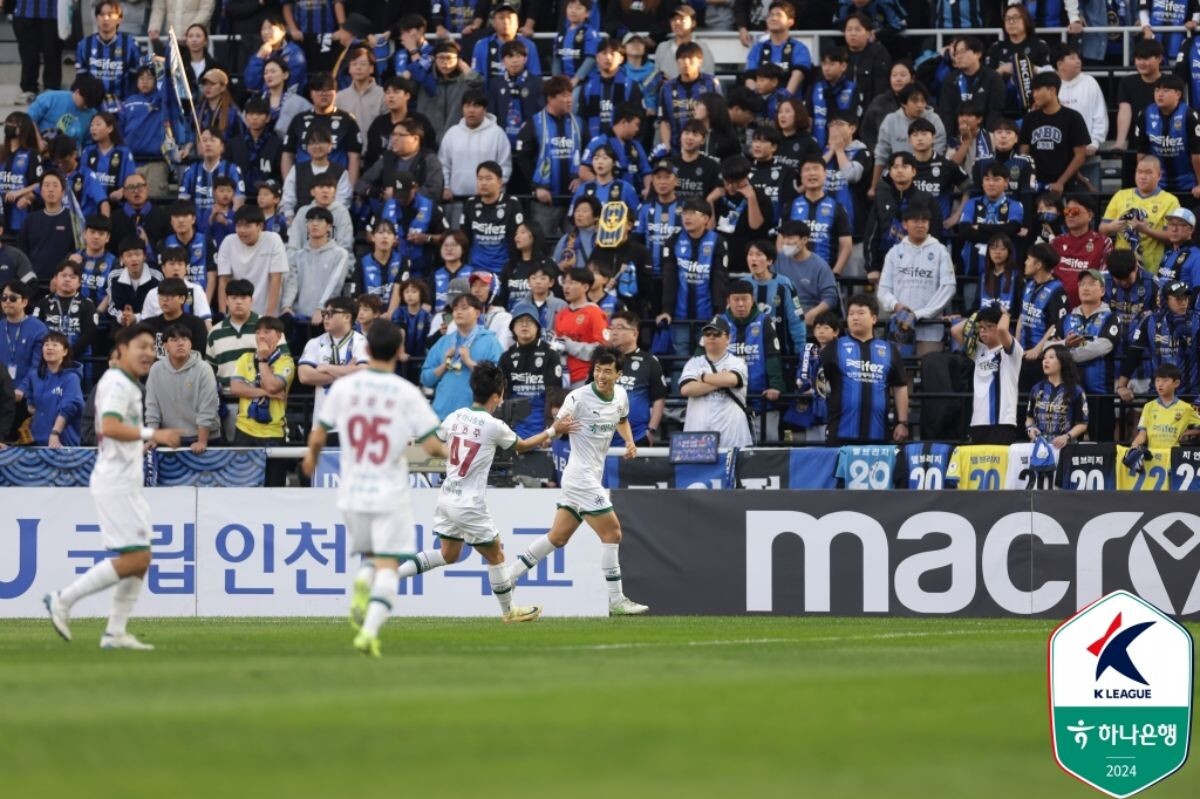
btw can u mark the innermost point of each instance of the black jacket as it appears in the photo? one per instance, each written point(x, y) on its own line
point(884, 218)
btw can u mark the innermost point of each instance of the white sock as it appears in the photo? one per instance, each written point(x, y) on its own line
point(124, 598)
point(426, 560)
point(537, 550)
point(366, 572)
point(95, 579)
point(502, 586)
point(611, 566)
point(383, 596)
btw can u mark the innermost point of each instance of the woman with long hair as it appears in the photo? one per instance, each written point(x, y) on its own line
point(196, 57)
point(900, 75)
point(415, 319)
point(107, 156)
point(452, 255)
point(1057, 406)
point(217, 109)
point(20, 168)
point(54, 395)
point(283, 99)
point(722, 140)
point(1018, 56)
point(528, 251)
point(795, 126)
point(1002, 282)
point(576, 245)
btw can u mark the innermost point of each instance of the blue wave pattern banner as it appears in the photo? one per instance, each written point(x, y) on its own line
point(37, 466)
point(214, 468)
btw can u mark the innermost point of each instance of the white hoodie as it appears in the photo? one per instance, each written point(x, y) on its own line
point(1082, 93)
point(919, 277)
point(463, 149)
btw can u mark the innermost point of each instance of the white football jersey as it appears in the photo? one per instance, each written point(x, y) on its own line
point(323, 349)
point(118, 463)
point(996, 376)
point(472, 436)
point(589, 445)
point(376, 414)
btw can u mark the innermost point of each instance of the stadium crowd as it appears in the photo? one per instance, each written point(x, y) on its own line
point(811, 246)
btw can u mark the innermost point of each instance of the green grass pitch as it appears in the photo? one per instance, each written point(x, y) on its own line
point(654, 707)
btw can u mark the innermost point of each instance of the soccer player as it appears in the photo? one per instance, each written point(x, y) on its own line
point(602, 407)
point(473, 435)
point(377, 413)
point(116, 485)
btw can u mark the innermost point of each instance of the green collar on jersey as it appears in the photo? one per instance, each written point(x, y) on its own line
point(380, 371)
point(609, 398)
point(475, 406)
point(132, 379)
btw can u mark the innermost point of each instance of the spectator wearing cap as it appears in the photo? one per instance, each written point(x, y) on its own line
point(217, 109)
point(197, 184)
point(1166, 336)
point(254, 255)
point(258, 151)
point(1136, 216)
point(659, 218)
point(452, 357)
point(547, 153)
point(1056, 137)
point(1080, 247)
point(317, 271)
point(1167, 129)
point(137, 215)
point(743, 211)
point(344, 133)
point(474, 141)
point(324, 194)
point(406, 152)
point(1090, 333)
point(173, 294)
point(715, 384)
point(261, 380)
point(302, 179)
point(69, 112)
point(607, 90)
point(486, 58)
point(530, 367)
point(67, 311)
point(175, 265)
point(683, 26)
point(129, 286)
point(580, 327)
point(695, 273)
point(340, 350)
point(1181, 261)
point(46, 236)
point(918, 277)
point(816, 287)
point(21, 349)
point(181, 392)
point(229, 341)
point(496, 318)
point(753, 338)
point(275, 46)
point(454, 78)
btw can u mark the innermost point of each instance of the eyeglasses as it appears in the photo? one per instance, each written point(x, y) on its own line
point(11, 298)
point(332, 311)
point(713, 334)
point(134, 186)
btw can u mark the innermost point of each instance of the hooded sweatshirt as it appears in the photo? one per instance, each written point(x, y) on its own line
point(464, 149)
point(183, 399)
point(920, 277)
point(313, 277)
point(54, 394)
point(893, 135)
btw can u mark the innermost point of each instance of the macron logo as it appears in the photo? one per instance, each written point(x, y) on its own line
point(1113, 650)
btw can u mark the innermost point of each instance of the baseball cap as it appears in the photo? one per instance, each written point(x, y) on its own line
point(1184, 215)
point(216, 75)
point(458, 286)
point(504, 7)
point(718, 323)
point(523, 309)
point(684, 10)
point(696, 204)
point(1176, 288)
point(664, 165)
point(1095, 274)
point(271, 186)
point(629, 37)
point(480, 277)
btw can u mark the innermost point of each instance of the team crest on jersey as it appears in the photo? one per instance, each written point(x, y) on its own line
point(754, 329)
point(579, 319)
point(537, 362)
point(335, 123)
point(774, 174)
point(635, 364)
point(500, 213)
point(936, 171)
point(1177, 123)
point(525, 91)
point(1179, 417)
point(1091, 245)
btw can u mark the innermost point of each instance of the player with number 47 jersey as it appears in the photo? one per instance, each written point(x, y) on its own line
point(473, 435)
point(376, 413)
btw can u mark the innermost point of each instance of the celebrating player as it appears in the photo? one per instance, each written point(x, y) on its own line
point(473, 435)
point(601, 407)
point(376, 413)
point(116, 485)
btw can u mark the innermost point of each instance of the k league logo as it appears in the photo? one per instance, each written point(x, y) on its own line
point(1120, 683)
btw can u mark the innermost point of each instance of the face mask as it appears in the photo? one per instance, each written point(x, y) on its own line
point(10, 132)
point(789, 250)
point(1048, 217)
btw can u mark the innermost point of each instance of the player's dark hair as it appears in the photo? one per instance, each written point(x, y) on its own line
point(1044, 254)
point(68, 265)
point(239, 288)
point(829, 319)
point(173, 287)
point(1070, 372)
point(579, 275)
point(270, 323)
point(130, 244)
point(862, 300)
point(1120, 263)
point(991, 314)
point(515, 47)
point(486, 380)
point(1168, 371)
point(605, 356)
point(384, 340)
point(125, 335)
point(177, 330)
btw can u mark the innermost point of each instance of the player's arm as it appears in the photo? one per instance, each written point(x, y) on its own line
point(316, 443)
point(114, 426)
point(627, 436)
point(563, 424)
point(433, 445)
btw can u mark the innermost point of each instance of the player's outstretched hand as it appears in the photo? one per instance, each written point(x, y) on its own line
point(567, 424)
point(308, 464)
point(630, 451)
point(166, 438)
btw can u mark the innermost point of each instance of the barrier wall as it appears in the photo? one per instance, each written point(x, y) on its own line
point(275, 552)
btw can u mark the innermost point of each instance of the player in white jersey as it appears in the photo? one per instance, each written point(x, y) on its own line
point(116, 484)
point(376, 414)
point(473, 434)
point(600, 408)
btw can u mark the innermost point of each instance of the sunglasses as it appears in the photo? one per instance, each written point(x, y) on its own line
point(332, 311)
point(11, 298)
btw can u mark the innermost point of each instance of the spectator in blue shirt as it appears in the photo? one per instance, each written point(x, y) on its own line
point(276, 45)
point(450, 360)
point(486, 58)
point(21, 343)
point(53, 392)
point(69, 112)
